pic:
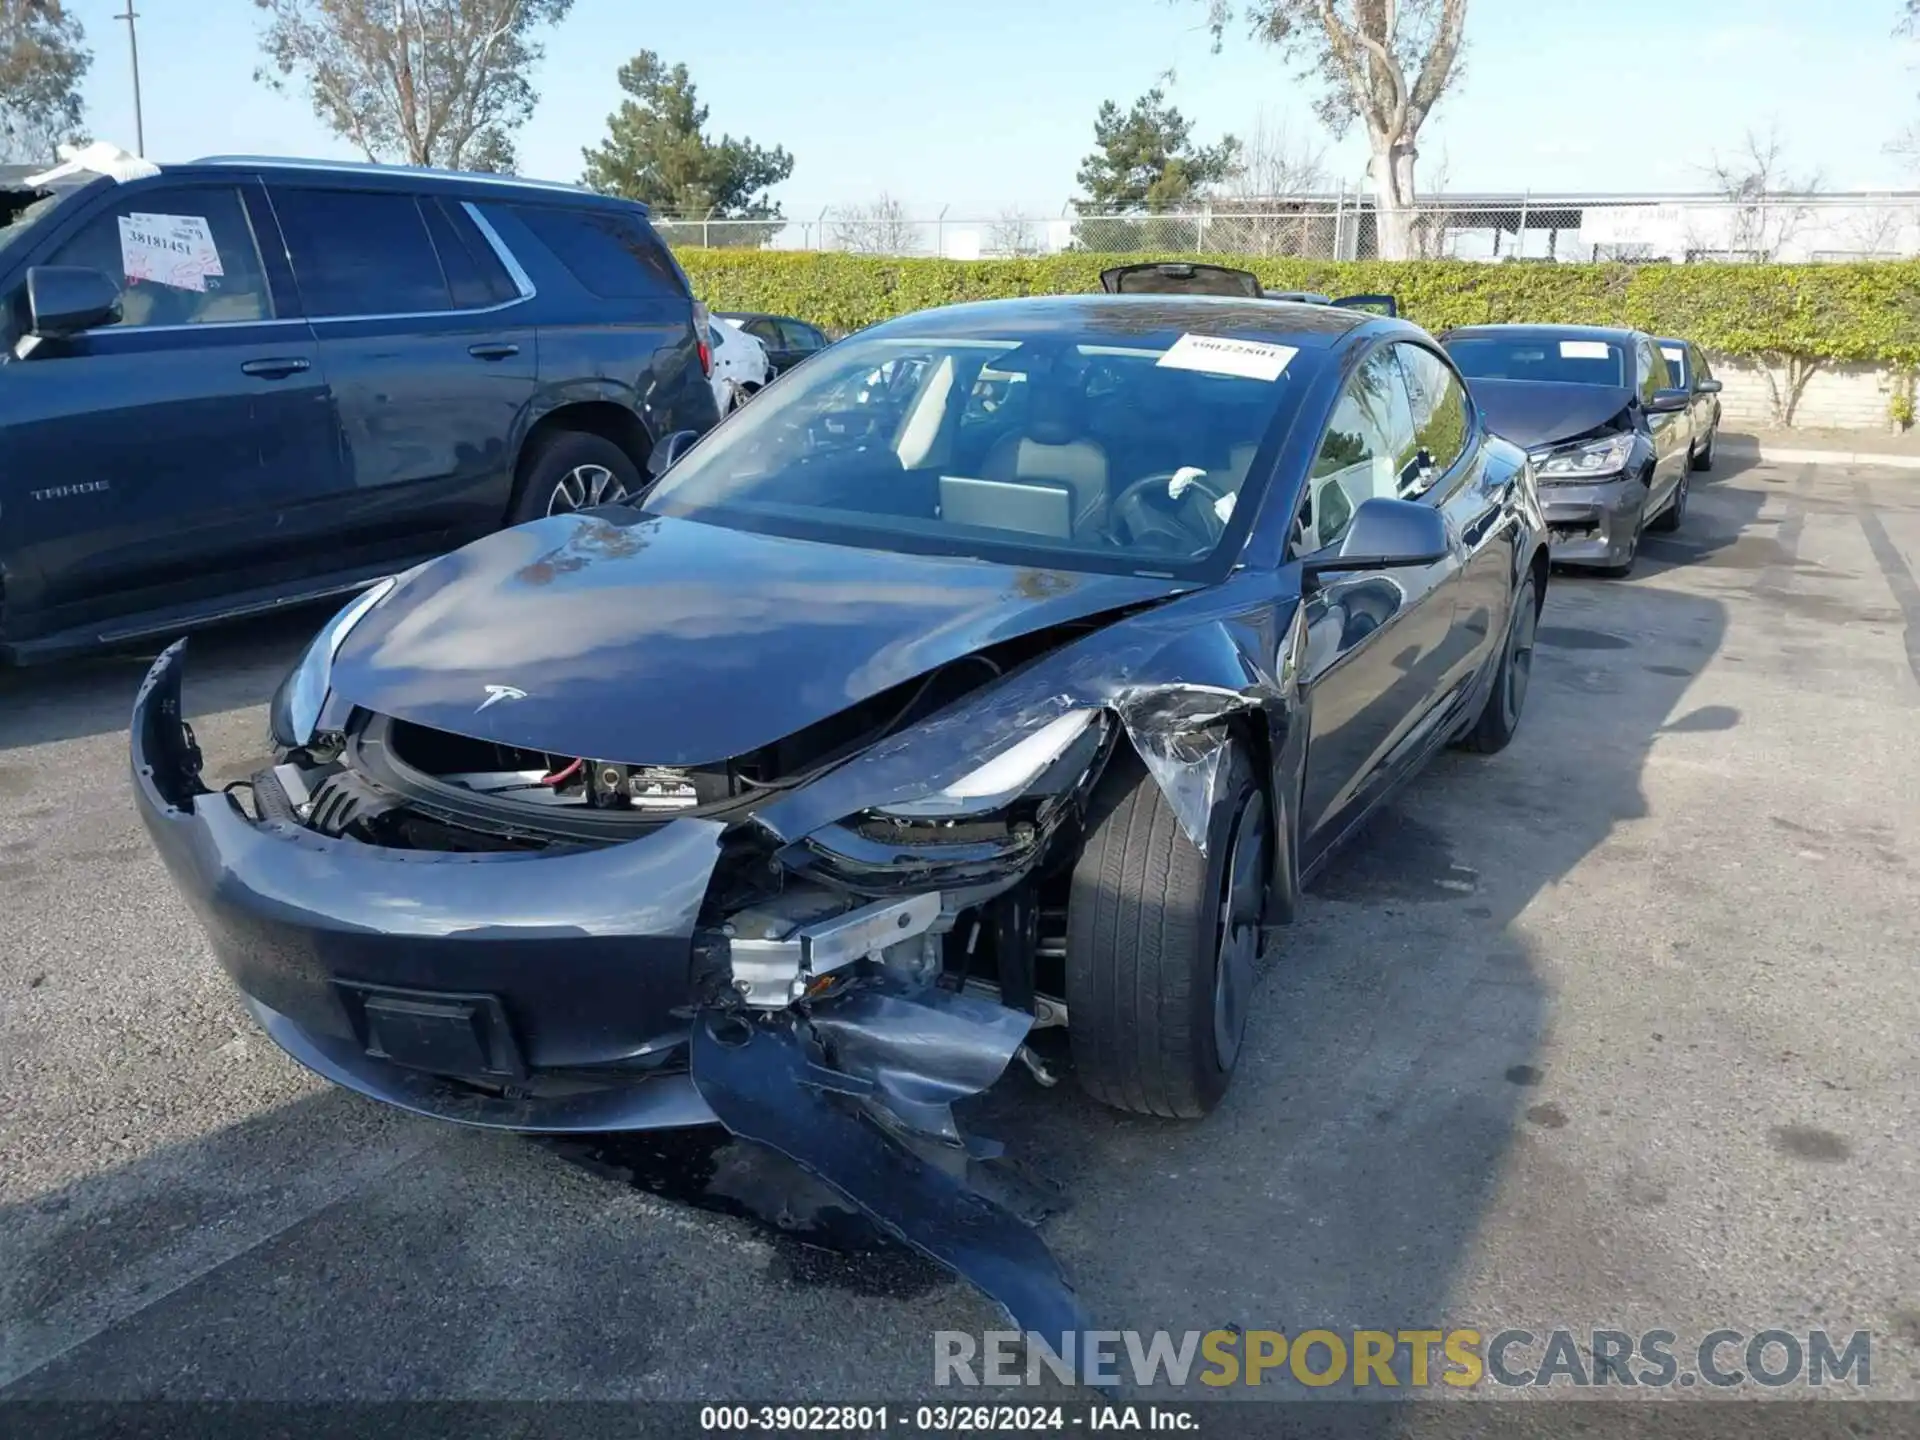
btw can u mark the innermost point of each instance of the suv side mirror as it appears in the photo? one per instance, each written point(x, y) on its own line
point(67, 299)
point(1386, 534)
point(1708, 387)
point(1667, 402)
point(668, 451)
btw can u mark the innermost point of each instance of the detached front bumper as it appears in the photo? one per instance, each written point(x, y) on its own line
point(1593, 524)
point(539, 992)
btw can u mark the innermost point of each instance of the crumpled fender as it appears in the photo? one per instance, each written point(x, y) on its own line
point(1173, 676)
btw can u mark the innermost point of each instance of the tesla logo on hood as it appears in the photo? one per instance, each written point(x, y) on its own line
point(497, 693)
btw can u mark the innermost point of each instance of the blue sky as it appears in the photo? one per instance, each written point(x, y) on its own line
point(990, 103)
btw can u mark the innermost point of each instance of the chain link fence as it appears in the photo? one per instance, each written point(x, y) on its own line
point(1641, 229)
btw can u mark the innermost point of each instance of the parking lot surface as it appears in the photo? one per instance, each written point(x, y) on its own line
point(1620, 1027)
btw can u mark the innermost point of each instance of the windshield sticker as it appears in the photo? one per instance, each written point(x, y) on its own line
point(176, 250)
point(1217, 355)
point(1584, 350)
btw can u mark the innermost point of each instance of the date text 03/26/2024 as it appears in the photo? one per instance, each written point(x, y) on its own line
point(939, 1419)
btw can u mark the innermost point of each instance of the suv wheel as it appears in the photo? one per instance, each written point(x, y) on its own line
point(573, 471)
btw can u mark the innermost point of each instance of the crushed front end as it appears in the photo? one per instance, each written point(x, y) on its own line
point(549, 943)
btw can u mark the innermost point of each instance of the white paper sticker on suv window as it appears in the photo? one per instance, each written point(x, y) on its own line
point(176, 250)
point(1219, 355)
point(1584, 350)
point(1673, 353)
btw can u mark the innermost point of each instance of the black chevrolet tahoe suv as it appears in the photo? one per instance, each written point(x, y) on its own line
point(243, 383)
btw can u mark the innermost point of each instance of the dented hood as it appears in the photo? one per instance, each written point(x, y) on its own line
point(1532, 413)
point(649, 640)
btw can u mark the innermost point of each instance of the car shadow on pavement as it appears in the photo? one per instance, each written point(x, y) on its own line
point(229, 667)
point(1399, 1057)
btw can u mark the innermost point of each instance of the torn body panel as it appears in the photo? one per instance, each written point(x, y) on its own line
point(765, 1087)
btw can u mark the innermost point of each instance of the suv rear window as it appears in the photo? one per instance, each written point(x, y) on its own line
point(611, 252)
point(361, 252)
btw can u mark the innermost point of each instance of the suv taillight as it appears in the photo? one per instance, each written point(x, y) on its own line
point(702, 330)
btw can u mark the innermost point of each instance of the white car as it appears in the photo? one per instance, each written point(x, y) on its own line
point(740, 365)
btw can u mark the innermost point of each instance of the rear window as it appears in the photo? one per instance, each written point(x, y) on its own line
point(611, 252)
point(358, 252)
point(1575, 360)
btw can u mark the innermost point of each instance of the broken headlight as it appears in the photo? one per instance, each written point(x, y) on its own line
point(296, 704)
point(1005, 777)
point(1587, 460)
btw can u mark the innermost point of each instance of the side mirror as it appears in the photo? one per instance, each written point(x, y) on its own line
point(67, 299)
point(670, 450)
point(1668, 402)
point(1386, 534)
point(1708, 387)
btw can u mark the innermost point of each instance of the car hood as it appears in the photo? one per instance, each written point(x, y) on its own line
point(1532, 413)
point(644, 639)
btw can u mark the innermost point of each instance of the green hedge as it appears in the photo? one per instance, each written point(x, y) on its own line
point(1863, 312)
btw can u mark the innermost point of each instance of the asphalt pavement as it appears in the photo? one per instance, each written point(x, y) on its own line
point(1618, 1028)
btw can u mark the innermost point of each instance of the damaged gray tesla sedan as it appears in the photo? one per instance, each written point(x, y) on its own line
point(1006, 666)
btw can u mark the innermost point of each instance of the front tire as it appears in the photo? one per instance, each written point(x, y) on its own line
point(1671, 518)
point(1703, 459)
point(1161, 941)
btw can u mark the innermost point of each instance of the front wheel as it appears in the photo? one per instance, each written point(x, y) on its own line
point(1703, 458)
point(1161, 941)
point(1671, 518)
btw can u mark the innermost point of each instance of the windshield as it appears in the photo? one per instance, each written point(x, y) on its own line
point(1565, 362)
point(1116, 452)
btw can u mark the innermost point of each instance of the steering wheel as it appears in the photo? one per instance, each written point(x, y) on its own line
point(1147, 508)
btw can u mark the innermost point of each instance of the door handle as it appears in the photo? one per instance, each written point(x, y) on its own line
point(492, 352)
point(277, 368)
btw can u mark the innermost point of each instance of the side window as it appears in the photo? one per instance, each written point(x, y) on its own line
point(1701, 369)
point(474, 273)
point(180, 257)
point(1652, 368)
point(1439, 403)
point(766, 332)
point(361, 252)
point(1367, 451)
point(1677, 369)
point(612, 253)
point(800, 337)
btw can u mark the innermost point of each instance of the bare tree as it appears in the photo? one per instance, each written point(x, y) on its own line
point(1269, 203)
point(425, 82)
point(43, 58)
point(1383, 62)
point(881, 228)
point(1766, 205)
point(1013, 235)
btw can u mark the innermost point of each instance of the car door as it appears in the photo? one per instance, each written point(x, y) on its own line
point(431, 352)
point(154, 461)
point(1375, 638)
point(766, 329)
point(1672, 433)
point(1452, 475)
point(800, 340)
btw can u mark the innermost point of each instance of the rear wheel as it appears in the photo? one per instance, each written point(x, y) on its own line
point(1501, 717)
point(1161, 941)
point(572, 470)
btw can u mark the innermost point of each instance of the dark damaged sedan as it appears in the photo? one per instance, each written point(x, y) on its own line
point(1605, 421)
point(1006, 666)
